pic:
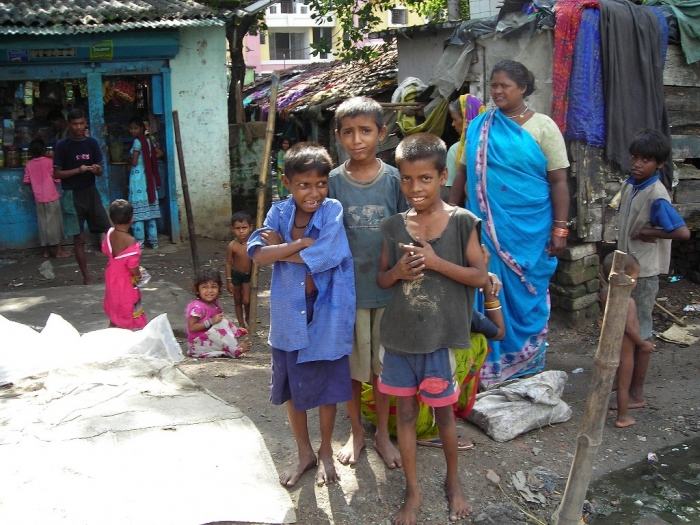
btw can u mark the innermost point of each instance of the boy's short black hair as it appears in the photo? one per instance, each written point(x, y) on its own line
point(75, 114)
point(651, 144)
point(137, 121)
point(204, 275)
point(358, 106)
point(241, 216)
point(422, 146)
point(121, 211)
point(37, 148)
point(631, 264)
point(307, 156)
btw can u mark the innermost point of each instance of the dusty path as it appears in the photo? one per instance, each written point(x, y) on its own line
point(368, 493)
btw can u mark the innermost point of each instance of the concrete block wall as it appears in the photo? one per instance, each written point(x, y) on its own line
point(685, 257)
point(574, 286)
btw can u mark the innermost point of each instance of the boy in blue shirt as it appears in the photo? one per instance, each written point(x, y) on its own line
point(647, 224)
point(312, 305)
point(370, 191)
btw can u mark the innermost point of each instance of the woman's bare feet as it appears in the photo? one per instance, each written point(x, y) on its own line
point(350, 453)
point(408, 513)
point(388, 452)
point(626, 421)
point(289, 477)
point(326, 473)
point(460, 507)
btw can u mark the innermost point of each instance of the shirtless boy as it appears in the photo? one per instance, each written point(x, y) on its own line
point(239, 265)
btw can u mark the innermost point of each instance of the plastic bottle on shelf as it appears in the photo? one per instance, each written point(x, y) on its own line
point(25, 156)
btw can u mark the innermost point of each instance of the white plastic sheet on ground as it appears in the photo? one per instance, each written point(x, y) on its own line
point(515, 407)
point(114, 433)
point(25, 352)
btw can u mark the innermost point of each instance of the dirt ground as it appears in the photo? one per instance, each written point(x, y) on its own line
point(369, 493)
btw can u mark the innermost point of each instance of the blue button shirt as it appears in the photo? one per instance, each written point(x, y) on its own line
point(662, 213)
point(328, 261)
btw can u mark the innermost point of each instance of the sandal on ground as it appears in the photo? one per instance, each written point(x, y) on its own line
point(437, 443)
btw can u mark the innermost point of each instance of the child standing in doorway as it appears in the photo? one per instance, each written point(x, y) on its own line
point(285, 144)
point(144, 182)
point(648, 223)
point(209, 333)
point(433, 263)
point(370, 192)
point(39, 173)
point(122, 302)
point(239, 266)
point(312, 305)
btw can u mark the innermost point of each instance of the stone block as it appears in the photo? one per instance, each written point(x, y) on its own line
point(573, 292)
point(575, 251)
point(591, 260)
point(586, 274)
point(592, 286)
point(687, 191)
point(580, 303)
point(577, 318)
point(554, 300)
point(571, 266)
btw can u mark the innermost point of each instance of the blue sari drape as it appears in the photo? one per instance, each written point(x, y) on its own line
point(508, 189)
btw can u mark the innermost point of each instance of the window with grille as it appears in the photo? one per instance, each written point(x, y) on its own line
point(288, 46)
point(287, 6)
point(399, 17)
point(325, 34)
point(273, 9)
point(263, 38)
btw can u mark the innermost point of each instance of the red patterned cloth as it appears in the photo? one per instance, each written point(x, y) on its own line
point(568, 13)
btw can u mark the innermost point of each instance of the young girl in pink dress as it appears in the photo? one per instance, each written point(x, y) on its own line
point(122, 302)
point(209, 333)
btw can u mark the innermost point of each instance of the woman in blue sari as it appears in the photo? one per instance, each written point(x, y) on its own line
point(516, 171)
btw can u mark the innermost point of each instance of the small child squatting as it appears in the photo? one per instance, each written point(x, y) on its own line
point(632, 349)
point(433, 249)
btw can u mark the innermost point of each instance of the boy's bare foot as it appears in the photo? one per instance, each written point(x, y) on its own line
point(289, 477)
point(63, 255)
point(350, 453)
point(388, 452)
point(326, 473)
point(632, 404)
point(624, 422)
point(460, 507)
point(408, 513)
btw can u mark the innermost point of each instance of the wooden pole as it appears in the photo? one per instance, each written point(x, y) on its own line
point(262, 190)
point(607, 359)
point(186, 192)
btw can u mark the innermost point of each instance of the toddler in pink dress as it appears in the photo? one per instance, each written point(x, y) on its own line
point(209, 333)
point(122, 302)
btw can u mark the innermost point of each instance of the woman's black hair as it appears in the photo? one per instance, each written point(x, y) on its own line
point(518, 73)
point(121, 212)
point(37, 148)
point(205, 275)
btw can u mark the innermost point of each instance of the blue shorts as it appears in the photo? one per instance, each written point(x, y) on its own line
point(432, 376)
point(311, 384)
point(644, 296)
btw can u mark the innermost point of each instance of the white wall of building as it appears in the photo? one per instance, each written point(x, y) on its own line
point(418, 59)
point(484, 8)
point(199, 94)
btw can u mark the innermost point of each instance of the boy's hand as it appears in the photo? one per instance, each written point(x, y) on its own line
point(412, 264)
point(496, 284)
point(271, 238)
point(647, 347)
point(229, 287)
point(643, 235)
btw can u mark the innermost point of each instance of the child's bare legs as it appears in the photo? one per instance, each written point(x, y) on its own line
point(382, 440)
point(407, 412)
point(350, 453)
point(238, 305)
point(245, 289)
point(641, 363)
point(79, 249)
point(326, 473)
point(624, 379)
point(459, 506)
point(46, 253)
point(306, 456)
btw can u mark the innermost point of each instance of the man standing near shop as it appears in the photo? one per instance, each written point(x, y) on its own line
point(77, 160)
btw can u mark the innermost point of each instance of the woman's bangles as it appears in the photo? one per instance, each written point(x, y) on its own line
point(492, 306)
point(560, 232)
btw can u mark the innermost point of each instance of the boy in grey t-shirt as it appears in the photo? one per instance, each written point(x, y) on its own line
point(370, 191)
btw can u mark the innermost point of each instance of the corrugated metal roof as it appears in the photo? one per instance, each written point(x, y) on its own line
point(50, 17)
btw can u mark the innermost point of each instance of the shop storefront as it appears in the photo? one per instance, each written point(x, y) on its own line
point(112, 77)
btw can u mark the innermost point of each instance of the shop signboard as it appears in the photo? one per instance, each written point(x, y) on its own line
point(103, 50)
